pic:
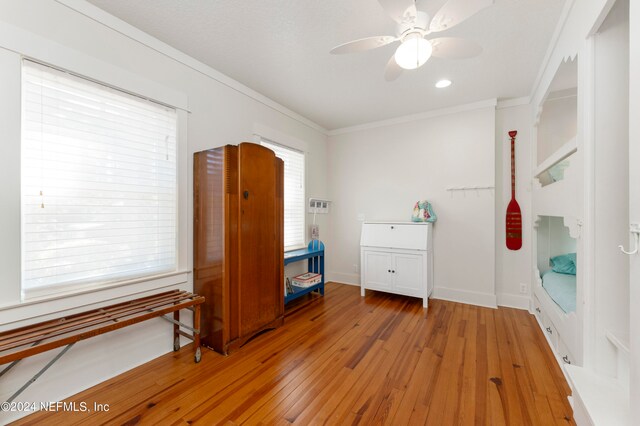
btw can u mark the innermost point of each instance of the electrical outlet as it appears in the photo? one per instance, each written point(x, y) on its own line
point(356, 268)
point(523, 288)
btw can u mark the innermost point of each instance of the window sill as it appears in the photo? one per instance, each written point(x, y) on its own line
point(288, 249)
point(70, 301)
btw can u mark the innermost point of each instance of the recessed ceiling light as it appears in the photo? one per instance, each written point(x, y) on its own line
point(443, 83)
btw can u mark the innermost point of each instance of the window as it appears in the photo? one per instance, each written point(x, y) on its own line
point(293, 194)
point(98, 183)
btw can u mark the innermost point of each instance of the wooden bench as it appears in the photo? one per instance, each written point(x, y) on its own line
point(33, 339)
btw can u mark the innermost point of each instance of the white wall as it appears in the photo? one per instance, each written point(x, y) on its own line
point(381, 171)
point(513, 268)
point(558, 124)
point(220, 114)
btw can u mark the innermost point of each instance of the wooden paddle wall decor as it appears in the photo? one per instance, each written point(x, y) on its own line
point(514, 216)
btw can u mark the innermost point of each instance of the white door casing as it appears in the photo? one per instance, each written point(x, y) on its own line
point(634, 203)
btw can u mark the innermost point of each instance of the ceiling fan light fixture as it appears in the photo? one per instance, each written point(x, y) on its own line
point(413, 52)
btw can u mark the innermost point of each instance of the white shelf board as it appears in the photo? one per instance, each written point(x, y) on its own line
point(605, 399)
point(565, 150)
point(619, 339)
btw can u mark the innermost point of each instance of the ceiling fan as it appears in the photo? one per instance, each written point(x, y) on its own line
point(414, 24)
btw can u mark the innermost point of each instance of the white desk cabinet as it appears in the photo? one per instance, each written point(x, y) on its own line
point(397, 257)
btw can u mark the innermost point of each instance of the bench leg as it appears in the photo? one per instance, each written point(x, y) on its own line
point(40, 373)
point(176, 331)
point(196, 333)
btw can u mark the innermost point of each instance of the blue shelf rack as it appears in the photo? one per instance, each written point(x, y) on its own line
point(314, 253)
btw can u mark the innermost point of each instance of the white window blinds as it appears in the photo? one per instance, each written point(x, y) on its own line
point(98, 183)
point(294, 236)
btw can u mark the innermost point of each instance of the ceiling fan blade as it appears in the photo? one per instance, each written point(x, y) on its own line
point(456, 11)
point(401, 11)
point(430, 6)
point(363, 44)
point(454, 48)
point(392, 70)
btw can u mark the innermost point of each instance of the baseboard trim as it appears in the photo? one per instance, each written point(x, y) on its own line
point(342, 278)
point(513, 301)
point(464, 296)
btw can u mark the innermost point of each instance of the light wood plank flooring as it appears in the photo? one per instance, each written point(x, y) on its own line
point(343, 359)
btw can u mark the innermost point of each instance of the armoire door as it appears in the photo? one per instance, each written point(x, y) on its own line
point(257, 245)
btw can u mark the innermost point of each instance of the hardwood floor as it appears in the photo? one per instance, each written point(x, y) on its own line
point(343, 359)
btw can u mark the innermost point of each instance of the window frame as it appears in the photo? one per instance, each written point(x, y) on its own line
point(269, 141)
point(161, 277)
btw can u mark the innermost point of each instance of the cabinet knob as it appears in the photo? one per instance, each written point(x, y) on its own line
point(393, 271)
point(566, 359)
point(549, 330)
point(392, 227)
point(246, 195)
point(389, 270)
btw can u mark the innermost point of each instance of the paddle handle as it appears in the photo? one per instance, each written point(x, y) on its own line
point(512, 135)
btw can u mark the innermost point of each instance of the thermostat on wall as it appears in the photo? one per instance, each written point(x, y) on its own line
point(317, 205)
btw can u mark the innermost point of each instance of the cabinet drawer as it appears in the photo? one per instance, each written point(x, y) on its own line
point(563, 352)
point(393, 235)
point(537, 309)
point(551, 332)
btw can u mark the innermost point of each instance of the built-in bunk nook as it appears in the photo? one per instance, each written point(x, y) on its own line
point(558, 209)
point(555, 288)
point(581, 213)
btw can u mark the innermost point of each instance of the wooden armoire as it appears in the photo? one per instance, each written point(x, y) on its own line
point(238, 242)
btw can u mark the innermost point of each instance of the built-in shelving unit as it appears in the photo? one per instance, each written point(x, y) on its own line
point(581, 177)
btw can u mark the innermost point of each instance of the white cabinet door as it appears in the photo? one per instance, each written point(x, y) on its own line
point(408, 273)
point(377, 270)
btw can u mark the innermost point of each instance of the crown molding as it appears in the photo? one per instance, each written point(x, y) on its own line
point(513, 102)
point(118, 25)
point(489, 103)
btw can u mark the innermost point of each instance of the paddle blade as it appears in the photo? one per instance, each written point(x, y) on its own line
point(363, 44)
point(514, 226)
point(399, 10)
point(456, 11)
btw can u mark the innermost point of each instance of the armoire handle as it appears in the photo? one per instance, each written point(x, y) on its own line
point(566, 359)
point(246, 195)
point(549, 330)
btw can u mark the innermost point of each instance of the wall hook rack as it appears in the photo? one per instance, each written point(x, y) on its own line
point(464, 189)
point(468, 188)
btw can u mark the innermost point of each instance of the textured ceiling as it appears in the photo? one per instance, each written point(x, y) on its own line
point(280, 48)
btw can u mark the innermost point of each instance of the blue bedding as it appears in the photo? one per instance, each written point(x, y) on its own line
point(562, 289)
